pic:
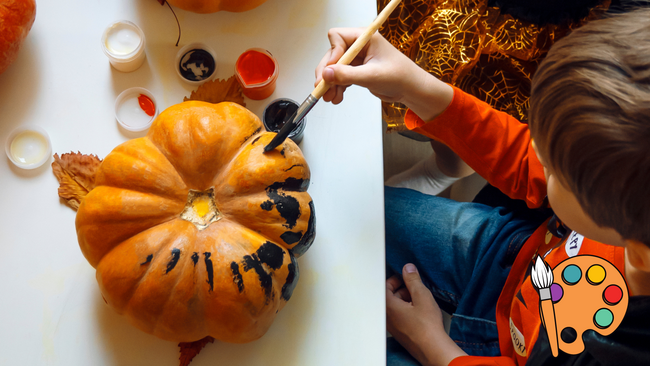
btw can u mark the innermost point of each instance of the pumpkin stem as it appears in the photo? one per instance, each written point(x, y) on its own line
point(201, 209)
point(177, 23)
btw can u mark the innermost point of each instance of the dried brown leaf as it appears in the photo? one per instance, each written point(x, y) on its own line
point(76, 175)
point(217, 91)
point(190, 349)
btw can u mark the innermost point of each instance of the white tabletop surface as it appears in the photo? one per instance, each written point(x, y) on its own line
point(51, 311)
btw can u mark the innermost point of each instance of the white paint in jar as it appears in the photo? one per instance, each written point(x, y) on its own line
point(123, 43)
point(28, 147)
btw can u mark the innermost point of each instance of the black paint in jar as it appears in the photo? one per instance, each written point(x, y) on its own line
point(196, 65)
point(276, 115)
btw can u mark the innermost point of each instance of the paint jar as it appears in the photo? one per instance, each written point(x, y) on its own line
point(196, 63)
point(28, 147)
point(135, 109)
point(123, 44)
point(276, 113)
point(257, 70)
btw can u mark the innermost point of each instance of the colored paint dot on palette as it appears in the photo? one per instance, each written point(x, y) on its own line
point(556, 292)
point(571, 274)
point(603, 318)
point(612, 294)
point(596, 274)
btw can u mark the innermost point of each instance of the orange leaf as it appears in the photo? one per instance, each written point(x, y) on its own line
point(191, 349)
point(76, 175)
point(217, 91)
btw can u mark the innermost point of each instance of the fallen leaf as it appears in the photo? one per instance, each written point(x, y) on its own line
point(190, 349)
point(76, 175)
point(217, 91)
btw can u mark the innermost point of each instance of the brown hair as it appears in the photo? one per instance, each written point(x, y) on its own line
point(590, 118)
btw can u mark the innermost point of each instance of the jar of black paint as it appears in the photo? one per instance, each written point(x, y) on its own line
point(276, 114)
point(196, 63)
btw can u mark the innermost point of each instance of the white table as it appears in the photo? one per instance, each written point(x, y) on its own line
point(51, 311)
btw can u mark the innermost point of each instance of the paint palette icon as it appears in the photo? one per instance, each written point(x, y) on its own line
point(588, 293)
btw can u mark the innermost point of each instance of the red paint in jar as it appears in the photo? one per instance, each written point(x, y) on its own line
point(147, 105)
point(257, 70)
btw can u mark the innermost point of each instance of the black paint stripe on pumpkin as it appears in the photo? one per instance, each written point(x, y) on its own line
point(291, 237)
point(251, 135)
point(267, 205)
point(293, 166)
point(287, 206)
point(237, 277)
point(256, 139)
point(149, 258)
point(292, 279)
point(271, 255)
point(308, 238)
point(195, 258)
point(253, 262)
point(176, 254)
point(290, 184)
point(209, 269)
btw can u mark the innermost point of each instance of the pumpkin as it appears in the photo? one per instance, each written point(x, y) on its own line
point(212, 6)
point(16, 19)
point(193, 230)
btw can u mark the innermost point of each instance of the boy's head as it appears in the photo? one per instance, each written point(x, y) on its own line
point(590, 120)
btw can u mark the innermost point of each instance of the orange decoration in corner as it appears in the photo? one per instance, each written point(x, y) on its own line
point(472, 46)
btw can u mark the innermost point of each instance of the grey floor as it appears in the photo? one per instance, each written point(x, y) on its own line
point(400, 153)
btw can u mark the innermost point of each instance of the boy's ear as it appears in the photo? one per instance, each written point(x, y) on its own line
point(638, 254)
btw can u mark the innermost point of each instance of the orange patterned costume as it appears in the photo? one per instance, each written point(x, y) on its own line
point(472, 46)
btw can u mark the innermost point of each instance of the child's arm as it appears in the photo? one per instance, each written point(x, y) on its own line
point(494, 144)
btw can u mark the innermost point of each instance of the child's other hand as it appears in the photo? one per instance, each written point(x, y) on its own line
point(415, 320)
point(380, 67)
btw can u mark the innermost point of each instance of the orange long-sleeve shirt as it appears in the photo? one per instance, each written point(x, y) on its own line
point(498, 148)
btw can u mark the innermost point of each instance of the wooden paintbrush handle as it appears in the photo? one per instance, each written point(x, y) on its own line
point(358, 45)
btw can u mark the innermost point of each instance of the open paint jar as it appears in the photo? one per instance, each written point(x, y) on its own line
point(123, 44)
point(135, 109)
point(257, 70)
point(276, 113)
point(196, 63)
point(28, 147)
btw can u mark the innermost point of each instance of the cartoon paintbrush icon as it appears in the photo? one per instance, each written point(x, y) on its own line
point(542, 277)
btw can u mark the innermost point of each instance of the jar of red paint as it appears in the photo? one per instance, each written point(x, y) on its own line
point(257, 70)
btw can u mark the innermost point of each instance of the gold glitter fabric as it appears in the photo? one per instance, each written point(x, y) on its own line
point(473, 47)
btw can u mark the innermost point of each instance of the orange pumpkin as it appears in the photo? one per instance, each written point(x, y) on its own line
point(16, 19)
point(213, 6)
point(193, 230)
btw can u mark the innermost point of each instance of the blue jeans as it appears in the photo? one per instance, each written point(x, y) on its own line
point(463, 252)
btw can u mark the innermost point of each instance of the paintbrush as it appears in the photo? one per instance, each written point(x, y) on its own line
point(296, 118)
point(542, 277)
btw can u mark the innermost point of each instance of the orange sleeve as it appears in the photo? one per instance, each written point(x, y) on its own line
point(482, 361)
point(494, 144)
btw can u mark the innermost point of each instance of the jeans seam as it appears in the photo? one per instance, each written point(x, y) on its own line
point(452, 296)
point(474, 319)
point(492, 344)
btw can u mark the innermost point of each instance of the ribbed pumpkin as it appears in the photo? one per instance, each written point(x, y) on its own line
point(193, 230)
point(213, 6)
